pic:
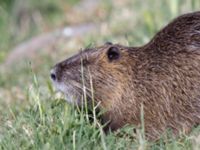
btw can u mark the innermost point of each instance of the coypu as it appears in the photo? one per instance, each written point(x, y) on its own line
point(163, 75)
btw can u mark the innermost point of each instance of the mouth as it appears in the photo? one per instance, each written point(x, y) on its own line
point(70, 94)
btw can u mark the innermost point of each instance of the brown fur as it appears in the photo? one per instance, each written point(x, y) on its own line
point(163, 75)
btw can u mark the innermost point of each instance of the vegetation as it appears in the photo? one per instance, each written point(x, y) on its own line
point(32, 115)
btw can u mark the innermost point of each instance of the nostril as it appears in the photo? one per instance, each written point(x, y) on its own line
point(53, 76)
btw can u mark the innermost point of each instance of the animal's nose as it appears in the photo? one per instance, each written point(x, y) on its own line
point(53, 75)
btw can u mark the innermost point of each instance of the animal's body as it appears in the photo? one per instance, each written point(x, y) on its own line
point(163, 76)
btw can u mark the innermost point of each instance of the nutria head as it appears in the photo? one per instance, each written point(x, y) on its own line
point(101, 72)
point(163, 76)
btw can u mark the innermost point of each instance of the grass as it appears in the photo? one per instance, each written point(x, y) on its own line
point(34, 117)
point(52, 124)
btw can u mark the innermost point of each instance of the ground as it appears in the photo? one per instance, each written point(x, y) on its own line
point(33, 116)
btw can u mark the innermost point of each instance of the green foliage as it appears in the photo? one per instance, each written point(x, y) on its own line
point(49, 123)
point(21, 19)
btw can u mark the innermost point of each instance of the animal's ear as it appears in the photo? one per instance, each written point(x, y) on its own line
point(113, 53)
point(108, 43)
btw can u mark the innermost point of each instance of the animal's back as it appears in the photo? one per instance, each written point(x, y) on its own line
point(169, 80)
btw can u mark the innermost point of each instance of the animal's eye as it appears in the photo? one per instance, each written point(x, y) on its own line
point(113, 53)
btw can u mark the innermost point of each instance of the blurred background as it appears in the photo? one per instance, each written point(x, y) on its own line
point(36, 34)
